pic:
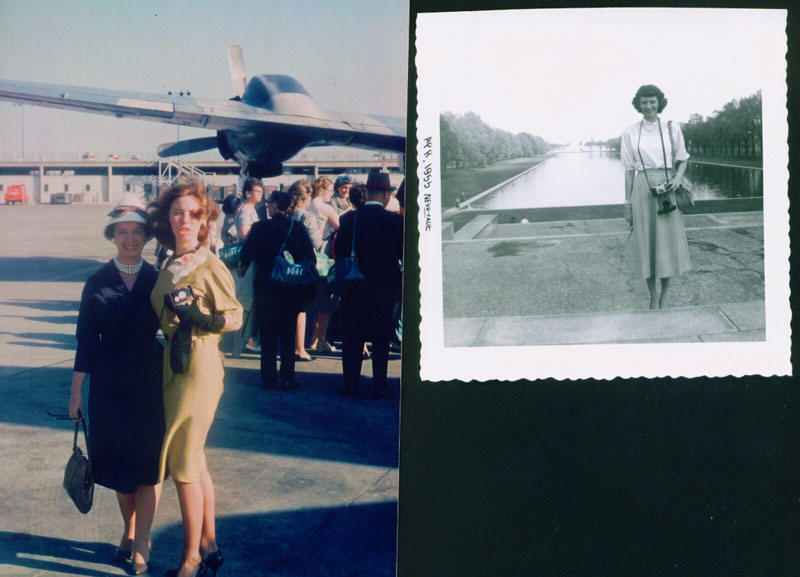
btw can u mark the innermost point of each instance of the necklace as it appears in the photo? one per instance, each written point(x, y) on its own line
point(187, 253)
point(129, 268)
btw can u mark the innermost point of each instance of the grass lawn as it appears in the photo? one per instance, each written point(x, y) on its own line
point(471, 181)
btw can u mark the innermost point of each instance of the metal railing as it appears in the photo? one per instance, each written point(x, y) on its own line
point(169, 171)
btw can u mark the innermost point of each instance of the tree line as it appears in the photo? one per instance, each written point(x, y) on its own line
point(468, 142)
point(733, 131)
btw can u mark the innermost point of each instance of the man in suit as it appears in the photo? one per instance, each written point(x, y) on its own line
point(367, 307)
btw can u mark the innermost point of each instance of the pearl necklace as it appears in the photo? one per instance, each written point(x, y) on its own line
point(128, 268)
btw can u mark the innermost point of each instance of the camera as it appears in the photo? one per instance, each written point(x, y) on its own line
point(658, 190)
point(181, 297)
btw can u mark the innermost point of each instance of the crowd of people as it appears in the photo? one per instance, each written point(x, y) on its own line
point(151, 406)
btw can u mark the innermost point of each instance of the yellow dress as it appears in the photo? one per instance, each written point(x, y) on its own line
point(190, 399)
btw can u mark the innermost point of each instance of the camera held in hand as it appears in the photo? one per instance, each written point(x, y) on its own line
point(181, 341)
point(181, 297)
point(665, 205)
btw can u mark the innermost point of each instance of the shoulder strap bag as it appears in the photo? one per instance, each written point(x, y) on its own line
point(345, 272)
point(287, 273)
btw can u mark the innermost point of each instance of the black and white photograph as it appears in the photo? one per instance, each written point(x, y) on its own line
point(603, 193)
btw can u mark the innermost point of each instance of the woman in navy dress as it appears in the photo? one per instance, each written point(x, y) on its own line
point(117, 346)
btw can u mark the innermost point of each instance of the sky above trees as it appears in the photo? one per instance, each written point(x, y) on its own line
point(570, 75)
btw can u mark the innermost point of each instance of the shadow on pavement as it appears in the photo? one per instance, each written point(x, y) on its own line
point(62, 320)
point(310, 422)
point(44, 269)
point(352, 540)
point(53, 555)
point(44, 305)
point(51, 340)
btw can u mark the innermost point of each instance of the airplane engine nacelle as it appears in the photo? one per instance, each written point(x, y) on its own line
point(264, 169)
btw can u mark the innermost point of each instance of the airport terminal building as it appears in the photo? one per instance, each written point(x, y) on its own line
point(105, 181)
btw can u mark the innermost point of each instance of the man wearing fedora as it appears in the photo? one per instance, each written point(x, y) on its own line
point(367, 308)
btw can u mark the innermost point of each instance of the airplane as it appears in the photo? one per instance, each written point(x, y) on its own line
point(268, 120)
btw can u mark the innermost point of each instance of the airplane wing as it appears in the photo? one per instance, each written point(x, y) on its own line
point(327, 127)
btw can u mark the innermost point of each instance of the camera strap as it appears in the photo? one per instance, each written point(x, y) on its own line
point(663, 152)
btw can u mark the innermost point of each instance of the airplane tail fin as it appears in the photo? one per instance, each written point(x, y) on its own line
point(236, 65)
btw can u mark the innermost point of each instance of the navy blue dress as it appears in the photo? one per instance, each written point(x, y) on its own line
point(117, 347)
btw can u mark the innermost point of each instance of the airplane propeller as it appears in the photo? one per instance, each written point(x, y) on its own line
point(188, 146)
point(191, 145)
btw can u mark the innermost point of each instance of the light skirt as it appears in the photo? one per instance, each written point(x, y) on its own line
point(660, 247)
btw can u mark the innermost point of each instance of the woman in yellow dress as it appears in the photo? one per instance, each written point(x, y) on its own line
point(194, 298)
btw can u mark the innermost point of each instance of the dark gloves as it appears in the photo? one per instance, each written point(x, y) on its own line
point(181, 342)
point(180, 348)
point(190, 314)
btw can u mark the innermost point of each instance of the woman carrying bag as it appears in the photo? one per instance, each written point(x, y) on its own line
point(277, 305)
point(646, 147)
point(117, 346)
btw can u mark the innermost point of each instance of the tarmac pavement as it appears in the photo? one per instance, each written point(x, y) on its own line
point(306, 480)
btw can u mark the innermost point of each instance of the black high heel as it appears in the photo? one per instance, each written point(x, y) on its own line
point(214, 560)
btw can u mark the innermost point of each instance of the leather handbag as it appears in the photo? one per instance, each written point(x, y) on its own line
point(291, 273)
point(684, 197)
point(78, 480)
point(345, 274)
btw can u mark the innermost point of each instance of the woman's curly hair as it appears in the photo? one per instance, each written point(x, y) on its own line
point(649, 90)
point(319, 185)
point(159, 210)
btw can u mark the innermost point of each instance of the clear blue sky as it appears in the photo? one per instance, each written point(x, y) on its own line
point(351, 55)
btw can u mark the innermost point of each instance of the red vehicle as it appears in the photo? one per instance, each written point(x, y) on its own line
point(16, 193)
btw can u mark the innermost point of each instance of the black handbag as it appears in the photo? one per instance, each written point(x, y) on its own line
point(291, 273)
point(684, 197)
point(78, 480)
point(344, 273)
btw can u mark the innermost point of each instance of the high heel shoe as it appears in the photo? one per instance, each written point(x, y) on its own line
point(135, 568)
point(213, 561)
point(121, 555)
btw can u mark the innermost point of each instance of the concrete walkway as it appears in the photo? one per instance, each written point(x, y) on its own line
point(708, 323)
point(306, 480)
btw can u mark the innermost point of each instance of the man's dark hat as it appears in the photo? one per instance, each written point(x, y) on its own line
point(379, 182)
